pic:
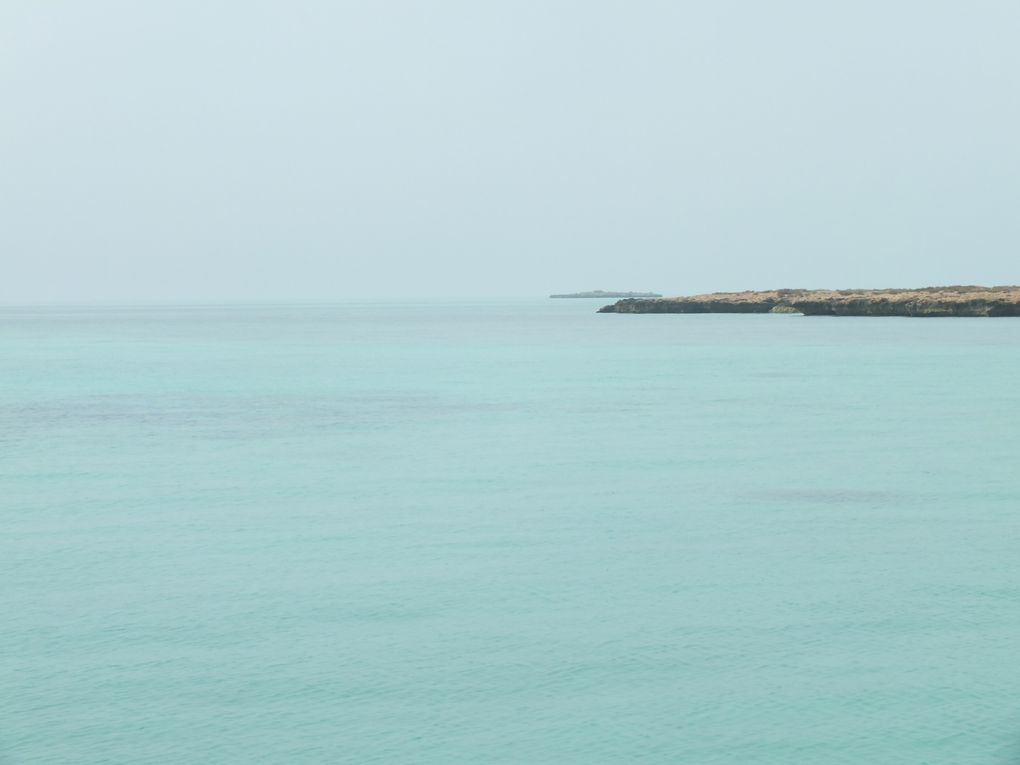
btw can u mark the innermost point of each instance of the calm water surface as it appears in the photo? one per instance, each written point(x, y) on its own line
point(506, 532)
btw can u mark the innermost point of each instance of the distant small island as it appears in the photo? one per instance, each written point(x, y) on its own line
point(604, 294)
point(927, 301)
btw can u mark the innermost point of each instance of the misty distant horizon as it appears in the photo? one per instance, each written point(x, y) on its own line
point(315, 151)
point(382, 297)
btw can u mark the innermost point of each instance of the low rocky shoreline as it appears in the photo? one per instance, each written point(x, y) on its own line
point(928, 301)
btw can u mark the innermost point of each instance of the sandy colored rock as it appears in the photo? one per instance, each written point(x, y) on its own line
point(927, 301)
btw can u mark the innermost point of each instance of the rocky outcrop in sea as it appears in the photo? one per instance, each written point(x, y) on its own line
point(928, 301)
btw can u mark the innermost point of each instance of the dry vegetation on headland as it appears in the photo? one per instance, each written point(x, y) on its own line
point(927, 301)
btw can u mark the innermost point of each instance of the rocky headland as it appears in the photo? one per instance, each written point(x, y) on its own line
point(928, 301)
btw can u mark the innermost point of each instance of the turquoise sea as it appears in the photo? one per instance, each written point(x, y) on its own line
point(506, 532)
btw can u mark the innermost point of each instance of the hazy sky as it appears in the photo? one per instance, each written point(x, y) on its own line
point(203, 150)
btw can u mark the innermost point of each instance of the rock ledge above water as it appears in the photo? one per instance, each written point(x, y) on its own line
point(928, 301)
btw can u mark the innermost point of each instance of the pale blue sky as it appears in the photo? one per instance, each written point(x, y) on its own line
point(204, 150)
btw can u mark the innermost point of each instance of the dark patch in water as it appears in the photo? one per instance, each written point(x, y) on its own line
point(831, 496)
point(226, 417)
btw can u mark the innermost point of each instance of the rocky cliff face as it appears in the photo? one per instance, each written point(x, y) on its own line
point(929, 301)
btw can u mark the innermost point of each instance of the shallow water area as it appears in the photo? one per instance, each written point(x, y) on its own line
point(506, 532)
